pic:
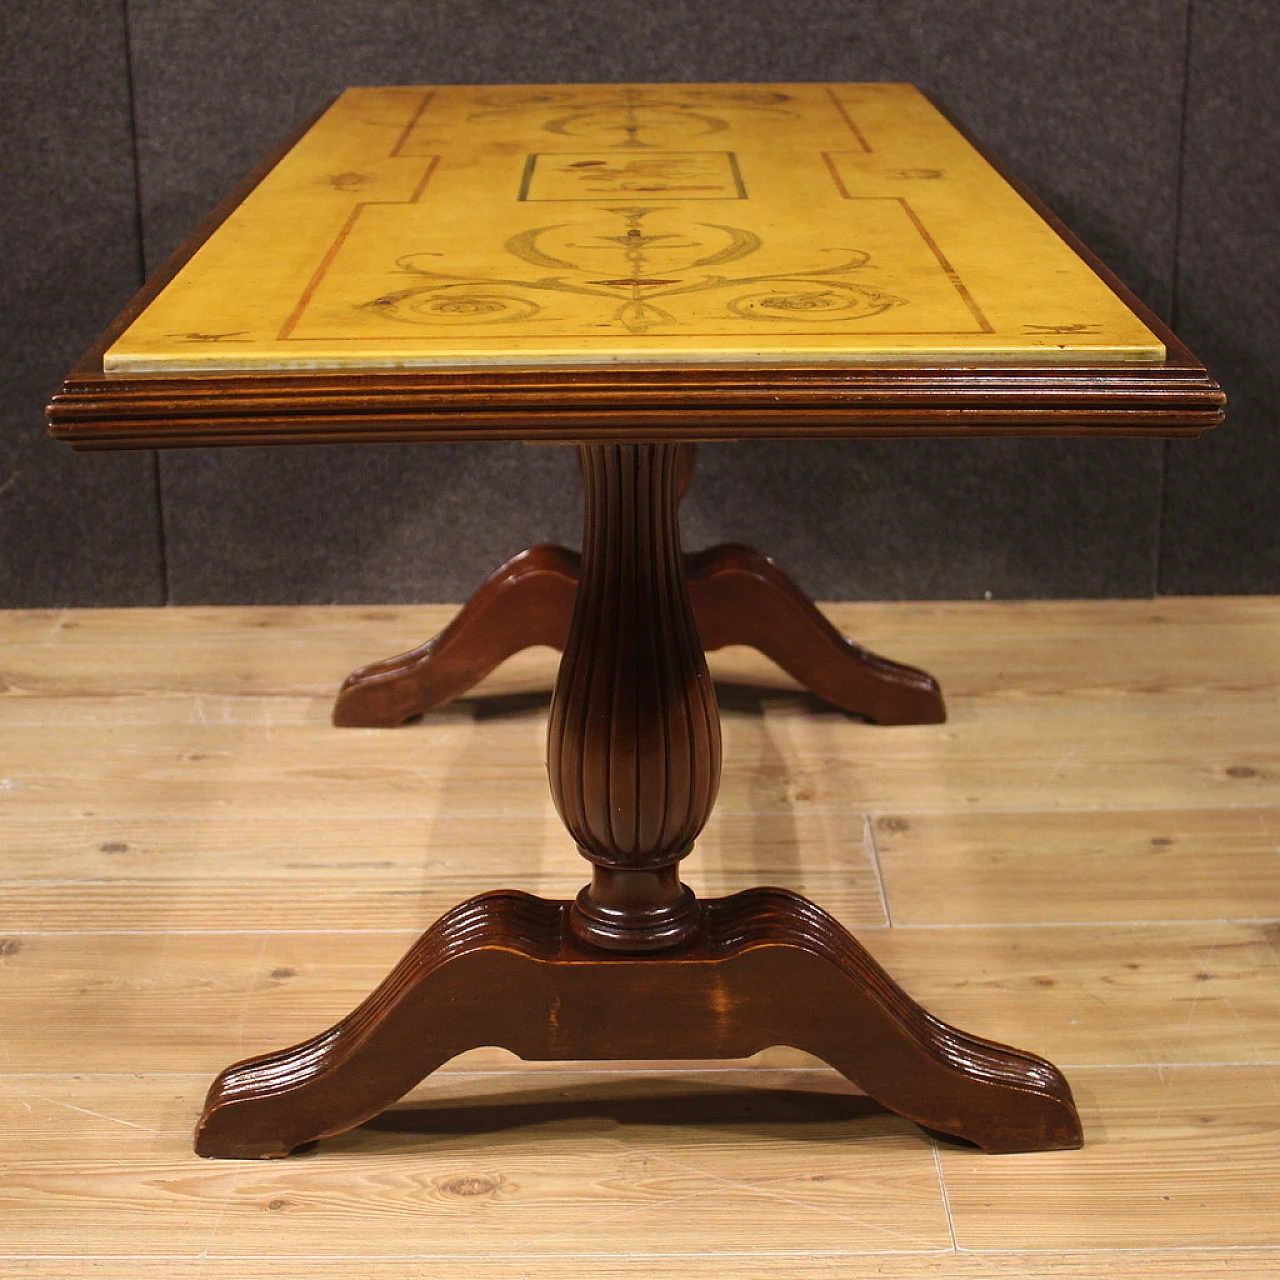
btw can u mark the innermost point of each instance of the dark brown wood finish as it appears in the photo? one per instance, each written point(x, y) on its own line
point(633, 743)
point(763, 967)
point(636, 967)
point(96, 411)
point(525, 602)
point(739, 596)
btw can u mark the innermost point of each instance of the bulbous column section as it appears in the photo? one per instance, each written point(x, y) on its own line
point(634, 739)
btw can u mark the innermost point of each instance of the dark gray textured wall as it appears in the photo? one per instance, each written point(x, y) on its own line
point(1222, 499)
point(73, 530)
point(1127, 119)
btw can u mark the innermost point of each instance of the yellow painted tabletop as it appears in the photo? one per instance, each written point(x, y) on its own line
point(588, 224)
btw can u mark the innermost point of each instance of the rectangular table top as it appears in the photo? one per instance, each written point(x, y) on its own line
point(731, 225)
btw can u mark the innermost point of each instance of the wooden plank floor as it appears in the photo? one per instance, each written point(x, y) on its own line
point(1084, 861)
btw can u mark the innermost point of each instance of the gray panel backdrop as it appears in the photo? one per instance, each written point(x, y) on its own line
point(1145, 125)
point(73, 530)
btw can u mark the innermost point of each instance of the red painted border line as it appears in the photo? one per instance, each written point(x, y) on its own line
point(835, 176)
point(848, 119)
point(952, 274)
point(413, 121)
point(339, 240)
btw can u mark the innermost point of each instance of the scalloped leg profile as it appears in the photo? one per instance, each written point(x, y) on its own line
point(764, 967)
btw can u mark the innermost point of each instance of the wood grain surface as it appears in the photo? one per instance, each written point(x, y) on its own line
point(1081, 861)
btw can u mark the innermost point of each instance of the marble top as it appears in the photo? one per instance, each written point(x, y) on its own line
point(466, 226)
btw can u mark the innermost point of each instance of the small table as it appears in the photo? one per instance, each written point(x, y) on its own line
point(632, 269)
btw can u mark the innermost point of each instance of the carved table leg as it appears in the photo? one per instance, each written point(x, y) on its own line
point(525, 602)
point(636, 967)
point(739, 597)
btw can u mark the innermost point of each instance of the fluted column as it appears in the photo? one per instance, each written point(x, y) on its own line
point(634, 740)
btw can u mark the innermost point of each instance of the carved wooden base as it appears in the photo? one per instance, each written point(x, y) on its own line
point(525, 602)
point(636, 967)
point(764, 967)
point(739, 596)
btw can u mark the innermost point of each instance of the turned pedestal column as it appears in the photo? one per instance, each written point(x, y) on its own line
point(636, 967)
point(633, 750)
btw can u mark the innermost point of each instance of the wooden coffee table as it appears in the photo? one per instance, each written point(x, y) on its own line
point(633, 269)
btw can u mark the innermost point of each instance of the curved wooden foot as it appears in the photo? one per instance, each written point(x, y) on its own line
point(741, 597)
point(525, 602)
point(765, 967)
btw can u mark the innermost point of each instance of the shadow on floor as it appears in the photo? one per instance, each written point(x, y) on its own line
point(665, 1103)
